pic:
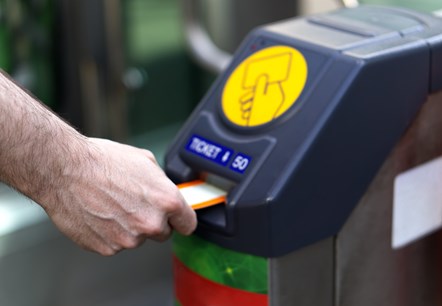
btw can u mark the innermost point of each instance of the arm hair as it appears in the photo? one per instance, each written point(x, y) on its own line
point(37, 148)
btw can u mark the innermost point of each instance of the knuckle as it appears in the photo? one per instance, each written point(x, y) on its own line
point(153, 228)
point(149, 155)
point(129, 242)
point(99, 248)
point(172, 205)
point(155, 231)
point(106, 251)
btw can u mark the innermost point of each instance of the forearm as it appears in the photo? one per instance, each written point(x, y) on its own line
point(35, 145)
point(103, 195)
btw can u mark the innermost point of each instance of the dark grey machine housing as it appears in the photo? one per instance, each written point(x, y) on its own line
point(370, 70)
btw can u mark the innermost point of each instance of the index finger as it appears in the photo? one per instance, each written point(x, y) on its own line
point(184, 220)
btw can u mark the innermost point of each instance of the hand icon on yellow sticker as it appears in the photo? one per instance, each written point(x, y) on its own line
point(263, 102)
point(264, 86)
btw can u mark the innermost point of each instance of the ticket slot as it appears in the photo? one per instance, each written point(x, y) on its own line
point(208, 195)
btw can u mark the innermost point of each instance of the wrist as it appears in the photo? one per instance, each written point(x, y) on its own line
point(69, 158)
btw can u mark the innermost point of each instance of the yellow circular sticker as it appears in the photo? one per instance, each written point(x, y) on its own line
point(264, 86)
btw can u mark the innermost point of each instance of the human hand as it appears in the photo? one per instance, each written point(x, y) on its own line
point(117, 198)
point(103, 195)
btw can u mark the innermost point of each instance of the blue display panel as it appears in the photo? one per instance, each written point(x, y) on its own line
point(217, 153)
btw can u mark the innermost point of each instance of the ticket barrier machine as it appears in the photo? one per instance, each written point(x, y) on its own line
point(296, 129)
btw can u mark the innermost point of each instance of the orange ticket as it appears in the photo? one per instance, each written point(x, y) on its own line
point(199, 194)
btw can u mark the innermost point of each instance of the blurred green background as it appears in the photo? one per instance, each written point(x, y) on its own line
point(155, 49)
point(162, 84)
point(26, 44)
